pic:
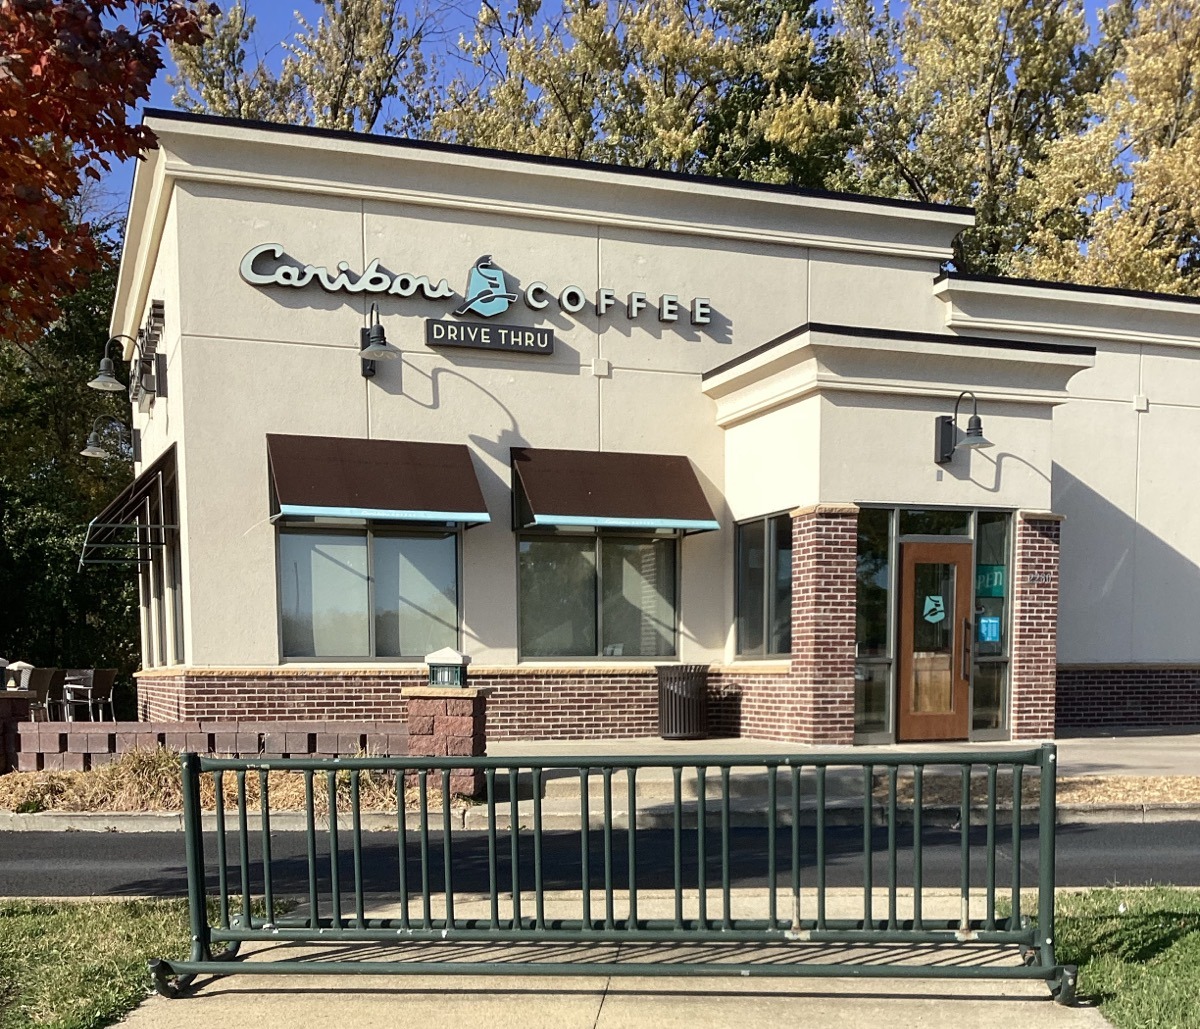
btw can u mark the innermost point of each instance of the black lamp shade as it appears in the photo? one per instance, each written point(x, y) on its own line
point(106, 378)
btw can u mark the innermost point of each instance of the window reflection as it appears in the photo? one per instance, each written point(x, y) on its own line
point(367, 594)
point(597, 596)
point(764, 587)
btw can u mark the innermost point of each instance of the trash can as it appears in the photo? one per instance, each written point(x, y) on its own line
point(682, 702)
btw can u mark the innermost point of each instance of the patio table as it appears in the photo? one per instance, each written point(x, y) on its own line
point(73, 685)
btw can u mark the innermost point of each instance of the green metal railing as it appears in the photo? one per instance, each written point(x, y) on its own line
point(601, 878)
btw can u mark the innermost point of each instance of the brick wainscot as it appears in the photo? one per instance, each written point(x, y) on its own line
point(1145, 696)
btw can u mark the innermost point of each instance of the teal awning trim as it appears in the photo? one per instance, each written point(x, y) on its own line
point(374, 514)
point(684, 524)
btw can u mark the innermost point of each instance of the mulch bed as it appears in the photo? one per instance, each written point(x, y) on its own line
point(946, 789)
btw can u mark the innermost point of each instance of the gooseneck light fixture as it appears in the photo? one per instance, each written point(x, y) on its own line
point(106, 377)
point(945, 438)
point(95, 446)
point(373, 344)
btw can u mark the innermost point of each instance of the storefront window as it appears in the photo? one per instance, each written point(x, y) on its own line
point(364, 594)
point(875, 688)
point(935, 523)
point(873, 668)
point(161, 579)
point(597, 596)
point(764, 587)
point(416, 594)
point(638, 578)
point(992, 591)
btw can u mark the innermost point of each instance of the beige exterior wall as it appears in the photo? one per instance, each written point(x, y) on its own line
point(827, 420)
point(1124, 446)
point(274, 359)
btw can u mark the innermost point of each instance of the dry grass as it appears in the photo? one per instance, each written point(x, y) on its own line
point(940, 790)
point(150, 780)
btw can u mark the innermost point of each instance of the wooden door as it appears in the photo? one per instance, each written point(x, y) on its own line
point(934, 689)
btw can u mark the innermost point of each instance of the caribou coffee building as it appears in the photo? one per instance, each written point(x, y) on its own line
point(578, 422)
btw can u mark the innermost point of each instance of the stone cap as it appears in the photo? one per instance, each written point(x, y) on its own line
point(824, 509)
point(1040, 516)
point(447, 656)
point(446, 692)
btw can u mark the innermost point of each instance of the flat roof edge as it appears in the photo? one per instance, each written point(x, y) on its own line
point(1067, 287)
point(900, 336)
point(953, 213)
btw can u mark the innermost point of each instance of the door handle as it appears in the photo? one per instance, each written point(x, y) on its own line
point(966, 649)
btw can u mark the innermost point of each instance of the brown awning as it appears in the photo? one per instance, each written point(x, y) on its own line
point(608, 490)
point(145, 507)
point(375, 479)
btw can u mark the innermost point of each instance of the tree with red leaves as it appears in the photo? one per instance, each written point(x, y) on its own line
point(69, 75)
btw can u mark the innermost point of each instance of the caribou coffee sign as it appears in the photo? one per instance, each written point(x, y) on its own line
point(487, 295)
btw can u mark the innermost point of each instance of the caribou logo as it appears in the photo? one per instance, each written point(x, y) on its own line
point(487, 294)
point(935, 610)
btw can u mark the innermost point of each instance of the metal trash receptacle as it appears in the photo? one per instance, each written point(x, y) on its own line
point(682, 702)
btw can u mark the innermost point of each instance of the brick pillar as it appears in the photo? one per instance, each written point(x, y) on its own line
point(824, 558)
point(1034, 645)
point(449, 722)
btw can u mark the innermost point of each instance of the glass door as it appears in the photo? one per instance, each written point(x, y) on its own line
point(935, 641)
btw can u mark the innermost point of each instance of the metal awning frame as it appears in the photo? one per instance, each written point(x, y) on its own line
point(130, 510)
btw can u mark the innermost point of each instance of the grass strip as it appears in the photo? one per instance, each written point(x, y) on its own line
point(82, 965)
point(1138, 952)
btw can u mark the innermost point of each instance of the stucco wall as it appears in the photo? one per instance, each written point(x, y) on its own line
point(275, 359)
point(1124, 446)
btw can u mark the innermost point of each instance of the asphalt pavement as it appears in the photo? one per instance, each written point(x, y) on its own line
point(151, 864)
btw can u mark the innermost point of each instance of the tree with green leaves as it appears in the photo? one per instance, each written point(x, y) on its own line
point(1119, 203)
point(339, 73)
point(723, 87)
point(50, 613)
point(958, 101)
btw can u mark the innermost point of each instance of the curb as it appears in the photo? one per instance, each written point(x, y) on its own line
point(475, 819)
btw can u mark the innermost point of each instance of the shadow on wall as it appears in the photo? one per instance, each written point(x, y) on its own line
point(1127, 598)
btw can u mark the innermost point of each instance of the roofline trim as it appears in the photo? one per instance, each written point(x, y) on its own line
point(428, 146)
point(1070, 287)
point(900, 336)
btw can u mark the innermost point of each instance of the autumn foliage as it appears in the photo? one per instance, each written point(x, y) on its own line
point(68, 76)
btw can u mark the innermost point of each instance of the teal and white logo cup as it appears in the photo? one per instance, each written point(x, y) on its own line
point(487, 293)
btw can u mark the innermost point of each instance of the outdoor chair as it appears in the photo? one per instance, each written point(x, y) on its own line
point(55, 702)
point(92, 689)
point(39, 683)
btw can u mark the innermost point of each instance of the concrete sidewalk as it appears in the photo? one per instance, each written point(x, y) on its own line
point(436, 1002)
point(594, 1002)
point(1164, 752)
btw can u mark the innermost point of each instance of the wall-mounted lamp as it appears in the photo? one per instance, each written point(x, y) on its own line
point(373, 344)
point(106, 378)
point(95, 446)
point(945, 436)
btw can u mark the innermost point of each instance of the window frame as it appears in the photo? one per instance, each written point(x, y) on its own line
point(770, 568)
point(597, 535)
point(160, 577)
point(369, 531)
